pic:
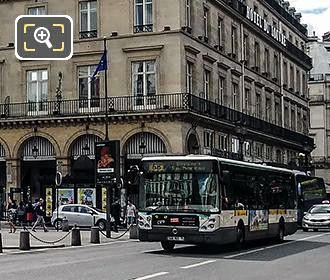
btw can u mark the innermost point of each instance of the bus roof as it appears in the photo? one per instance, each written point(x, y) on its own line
point(224, 160)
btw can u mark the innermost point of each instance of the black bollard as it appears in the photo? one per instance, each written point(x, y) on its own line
point(75, 237)
point(134, 232)
point(24, 240)
point(65, 225)
point(1, 244)
point(95, 235)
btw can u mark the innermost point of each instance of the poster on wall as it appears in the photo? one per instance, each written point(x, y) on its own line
point(258, 220)
point(87, 196)
point(65, 196)
point(104, 199)
point(107, 157)
point(49, 202)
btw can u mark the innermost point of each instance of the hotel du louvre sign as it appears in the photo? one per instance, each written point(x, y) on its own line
point(265, 26)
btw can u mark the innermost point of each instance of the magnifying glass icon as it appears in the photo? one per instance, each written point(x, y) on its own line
point(42, 35)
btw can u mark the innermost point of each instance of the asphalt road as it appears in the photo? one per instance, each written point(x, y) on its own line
point(302, 256)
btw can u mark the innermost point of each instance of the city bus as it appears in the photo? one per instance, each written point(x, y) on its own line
point(209, 200)
point(310, 190)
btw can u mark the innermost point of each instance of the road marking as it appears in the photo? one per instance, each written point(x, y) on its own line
point(152, 275)
point(198, 264)
point(273, 246)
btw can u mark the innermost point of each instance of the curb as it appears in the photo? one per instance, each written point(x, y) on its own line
point(34, 247)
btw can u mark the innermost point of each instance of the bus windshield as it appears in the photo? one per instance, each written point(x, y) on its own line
point(311, 188)
point(180, 186)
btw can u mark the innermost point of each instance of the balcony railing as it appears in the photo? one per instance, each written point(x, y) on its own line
point(315, 77)
point(88, 34)
point(143, 28)
point(144, 104)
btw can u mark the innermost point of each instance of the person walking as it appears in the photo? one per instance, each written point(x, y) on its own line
point(115, 213)
point(21, 213)
point(40, 211)
point(130, 213)
point(12, 215)
point(29, 213)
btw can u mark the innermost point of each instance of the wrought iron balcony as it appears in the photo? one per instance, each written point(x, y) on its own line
point(136, 105)
point(88, 34)
point(143, 28)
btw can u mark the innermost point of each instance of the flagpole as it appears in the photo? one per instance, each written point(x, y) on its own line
point(106, 91)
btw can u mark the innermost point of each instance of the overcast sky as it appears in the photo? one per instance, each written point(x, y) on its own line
point(315, 13)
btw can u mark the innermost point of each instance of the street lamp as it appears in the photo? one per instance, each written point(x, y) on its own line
point(142, 145)
point(240, 131)
point(35, 149)
point(86, 147)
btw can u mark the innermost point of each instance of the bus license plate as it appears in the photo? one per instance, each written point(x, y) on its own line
point(175, 238)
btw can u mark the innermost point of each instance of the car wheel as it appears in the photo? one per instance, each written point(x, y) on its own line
point(58, 224)
point(102, 225)
point(305, 229)
point(315, 229)
point(168, 246)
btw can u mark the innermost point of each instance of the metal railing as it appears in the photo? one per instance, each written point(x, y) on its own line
point(143, 28)
point(88, 34)
point(144, 104)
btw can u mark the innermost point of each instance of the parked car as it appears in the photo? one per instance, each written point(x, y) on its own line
point(317, 217)
point(80, 215)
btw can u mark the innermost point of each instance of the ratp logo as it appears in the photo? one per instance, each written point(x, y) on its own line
point(46, 37)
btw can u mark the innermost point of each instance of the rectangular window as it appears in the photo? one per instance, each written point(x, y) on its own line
point(88, 90)
point(206, 92)
point(235, 97)
point(207, 139)
point(188, 13)
point(221, 39)
point(247, 149)
point(285, 74)
point(221, 85)
point(248, 101)
point(88, 19)
point(268, 110)
point(269, 152)
point(303, 91)
point(266, 61)
point(189, 78)
point(286, 117)
point(256, 57)
point(234, 42)
point(276, 64)
point(234, 145)
point(246, 49)
point(299, 120)
point(144, 82)
point(291, 78)
point(293, 119)
point(297, 81)
point(223, 142)
point(37, 89)
point(277, 113)
point(259, 150)
point(206, 23)
point(258, 105)
point(37, 11)
point(143, 21)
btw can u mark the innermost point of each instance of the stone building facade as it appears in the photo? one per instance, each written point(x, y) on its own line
point(319, 91)
point(185, 76)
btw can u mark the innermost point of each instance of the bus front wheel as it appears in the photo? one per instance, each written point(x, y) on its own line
point(240, 237)
point(281, 233)
point(168, 246)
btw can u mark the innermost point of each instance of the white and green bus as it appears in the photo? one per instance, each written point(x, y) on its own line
point(208, 200)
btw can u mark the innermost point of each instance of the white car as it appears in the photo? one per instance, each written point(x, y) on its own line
point(80, 215)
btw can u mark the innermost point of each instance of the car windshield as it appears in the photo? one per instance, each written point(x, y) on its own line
point(171, 190)
point(320, 209)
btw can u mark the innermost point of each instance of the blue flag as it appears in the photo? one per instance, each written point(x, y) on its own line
point(103, 65)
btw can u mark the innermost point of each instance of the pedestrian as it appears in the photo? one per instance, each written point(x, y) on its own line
point(29, 213)
point(12, 215)
point(115, 213)
point(21, 213)
point(40, 211)
point(34, 205)
point(130, 213)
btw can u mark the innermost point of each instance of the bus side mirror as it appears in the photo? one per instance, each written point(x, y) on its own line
point(225, 179)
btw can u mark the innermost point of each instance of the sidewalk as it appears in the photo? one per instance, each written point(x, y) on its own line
point(11, 240)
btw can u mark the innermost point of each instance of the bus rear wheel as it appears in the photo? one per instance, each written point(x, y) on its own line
point(240, 237)
point(168, 246)
point(281, 233)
